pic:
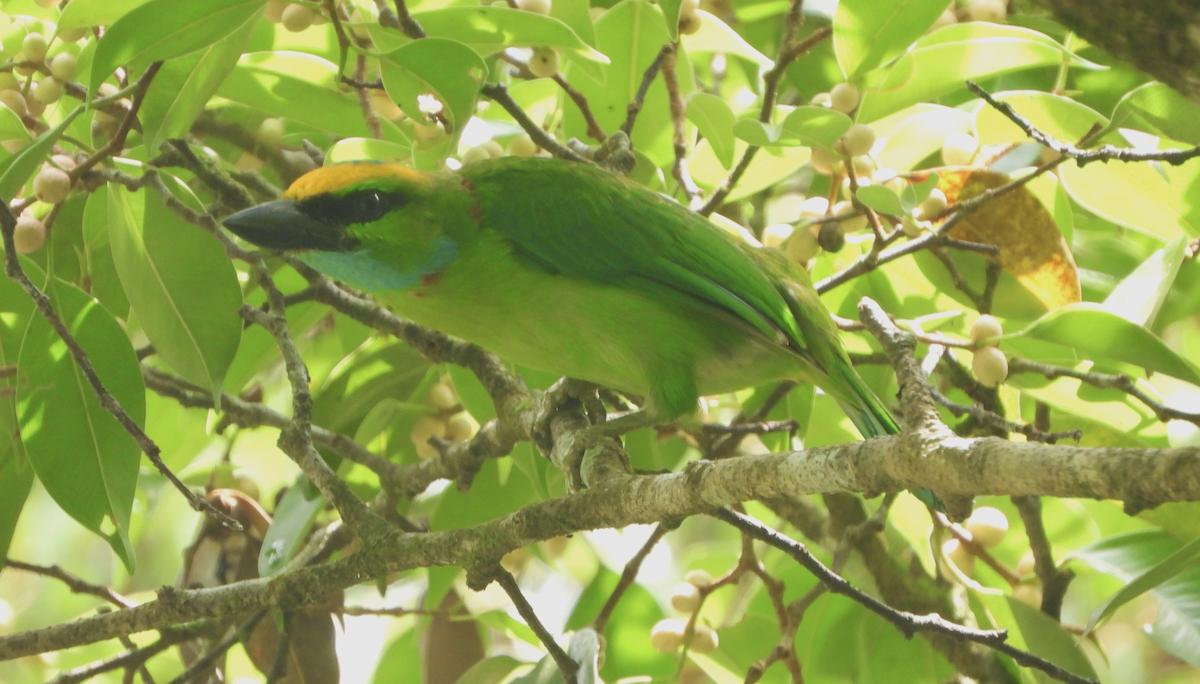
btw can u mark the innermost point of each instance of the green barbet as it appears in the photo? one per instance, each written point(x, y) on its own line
point(565, 268)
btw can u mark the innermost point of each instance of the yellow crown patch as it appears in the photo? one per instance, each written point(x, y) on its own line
point(329, 178)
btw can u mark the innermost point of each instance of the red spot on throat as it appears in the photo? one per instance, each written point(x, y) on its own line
point(431, 279)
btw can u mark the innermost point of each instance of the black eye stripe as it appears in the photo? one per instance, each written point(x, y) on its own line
point(361, 206)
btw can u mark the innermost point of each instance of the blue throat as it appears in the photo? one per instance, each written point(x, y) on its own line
point(363, 270)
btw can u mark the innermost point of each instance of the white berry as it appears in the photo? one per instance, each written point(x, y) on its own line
point(958, 554)
point(986, 327)
point(685, 597)
point(958, 149)
point(29, 235)
point(63, 66)
point(544, 62)
point(995, 11)
point(51, 185)
point(704, 640)
point(535, 6)
point(990, 366)
point(34, 47)
point(666, 636)
point(858, 140)
point(843, 97)
point(987, 526)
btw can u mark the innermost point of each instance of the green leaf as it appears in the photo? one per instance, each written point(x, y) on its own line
point(576, 14)
point(715, 119)
point(182, 87)
point(1135, 555)
point(180, 284)
point(490, 670)
point(350, 149)
point(162, 29)
point(715, 35)
point(83, 456)
point(16, 171)
point(758, 133)
point(290, 526)
point(881, 199)
point(1056, 115)
point(447, 69)
point(867, 33)
point(1139, 297)
point(942, 60)
point(1099, 334)
point(1045, 637)
point(1159, 109)
point(632, 34)
point(1168, 568)
point(816, 126)
point(88, 13)
point(489, 30)
point(300, 87)
point(16, 473)
point(1154, 199)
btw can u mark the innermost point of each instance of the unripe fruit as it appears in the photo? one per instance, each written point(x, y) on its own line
point(1027, 565)
point(822, 100)
point(776, 234)
point(72, 34)
point(64, 161)
point(959, 148)
point(274, 10)
point(990, 366)
point(685, 597)
point(803, 244)
point(424, 428)
point(858, 140)
point(864, 166)
point(441, 397)
point(427, 132)
point(666, 636)
point(474, 154)
point(843, 97)
point(824, 161)
point(688, 7)
point(49, 90)
point(704, 640)
point(1030, 594)
point(14, 101)
point(986, 327)
point(63, 66)
point(934, 204)
point(23, 69)
point(51, 185)
point(247, 161)
point(494, 149)
point(270, 131)
point(958, 554)
point(29, 235)
point(910, 226)
point(522, 146)
point(461, 426)
point(8, 81)
point(384, 106)
point(13, 146)
point(700, 578)
point(689, 24)
point(852, 224)
point(814, 208)
point(831, 238)
point(995, 11)
point(47, 4)
point(34, 47)
point(987, 526)
point(889, 179)
point(535, 6)
point(296, 18)
point(35, 106)
point(544, 62)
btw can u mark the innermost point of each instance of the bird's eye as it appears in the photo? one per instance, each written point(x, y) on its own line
point(369, 207)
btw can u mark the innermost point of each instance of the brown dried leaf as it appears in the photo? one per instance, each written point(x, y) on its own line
point(1031, 246)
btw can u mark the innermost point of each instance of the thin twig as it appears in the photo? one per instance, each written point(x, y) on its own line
point(76, 584)
point(1054, 580)
point(628, 575)
point(506, 581)
point(594, 130)
point(499, 94)
point(635, 107)
point(679, 123)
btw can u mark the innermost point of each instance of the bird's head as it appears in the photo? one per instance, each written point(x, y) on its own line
point(374, 225)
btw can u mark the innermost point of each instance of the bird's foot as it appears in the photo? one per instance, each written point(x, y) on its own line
point(574, 432)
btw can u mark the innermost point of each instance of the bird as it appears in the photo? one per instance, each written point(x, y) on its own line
point(564, 267)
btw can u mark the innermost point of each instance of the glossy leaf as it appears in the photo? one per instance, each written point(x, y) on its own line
point(867, 33)
point(942, 60)
point(715, 35)
point(1045, 637)
point(1159, 109)
point(16, 473)
point(162, 29)
point(488, 30)
point(816, 126)
point(881, 199)
point(446, 69)
point(290, 526)
point(1055, 115)
point(715, 119)
point(88, 13)
point(180, 284)
point(16, 171)
point(1139, 297)
point(1151, 198)
point(1099, 334)
point(182, 87)
point(83, 456)
point(1141, 556)
point(274, 82)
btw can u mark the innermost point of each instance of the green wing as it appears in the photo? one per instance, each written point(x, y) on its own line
point(593, 225)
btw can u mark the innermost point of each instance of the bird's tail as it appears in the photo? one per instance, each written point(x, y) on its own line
point(873, 419)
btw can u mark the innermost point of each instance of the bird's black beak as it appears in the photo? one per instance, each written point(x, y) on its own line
point(283, 225)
